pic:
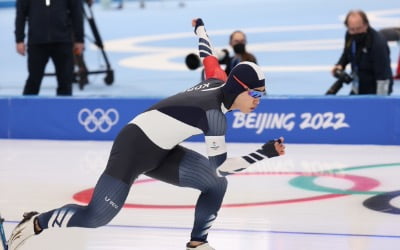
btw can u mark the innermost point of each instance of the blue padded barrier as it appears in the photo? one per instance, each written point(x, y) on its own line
point(337, 120)
point(7, 3)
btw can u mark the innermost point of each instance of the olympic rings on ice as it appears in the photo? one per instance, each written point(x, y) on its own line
point(383, 202)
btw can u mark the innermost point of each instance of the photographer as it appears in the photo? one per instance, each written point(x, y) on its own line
point(369, 56)
point(238, 41)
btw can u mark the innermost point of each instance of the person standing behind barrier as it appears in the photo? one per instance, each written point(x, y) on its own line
point(51, 26)
point(393, 34)
point(238, 41)
point(368, 53)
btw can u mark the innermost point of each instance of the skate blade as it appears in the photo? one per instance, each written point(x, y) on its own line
point(3, 245)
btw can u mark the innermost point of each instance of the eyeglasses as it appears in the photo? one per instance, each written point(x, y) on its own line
point(252, 92)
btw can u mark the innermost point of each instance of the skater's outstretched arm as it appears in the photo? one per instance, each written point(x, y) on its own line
point(212, 68)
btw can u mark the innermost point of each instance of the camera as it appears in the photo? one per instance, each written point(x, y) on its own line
point(342, 77)
point(193, 61)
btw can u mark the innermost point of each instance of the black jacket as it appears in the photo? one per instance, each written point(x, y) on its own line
point(371, 62)
point(58, 22)
point(233, 61)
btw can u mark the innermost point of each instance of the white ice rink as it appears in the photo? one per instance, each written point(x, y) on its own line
point(285, 203)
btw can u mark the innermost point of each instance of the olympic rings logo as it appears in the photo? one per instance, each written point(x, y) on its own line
point(98, 119)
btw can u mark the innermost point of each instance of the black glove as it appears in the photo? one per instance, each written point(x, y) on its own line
point(268, 149)
point(199, 22)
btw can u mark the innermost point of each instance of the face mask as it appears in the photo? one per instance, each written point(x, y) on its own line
point(359, 37)
point(239, 48)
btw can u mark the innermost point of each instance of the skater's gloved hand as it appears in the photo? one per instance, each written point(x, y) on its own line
point(273, 148)
point(196, 23)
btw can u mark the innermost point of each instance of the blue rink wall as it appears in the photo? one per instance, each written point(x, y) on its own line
point(7, 3)
point(11, 3)
point(337, 120)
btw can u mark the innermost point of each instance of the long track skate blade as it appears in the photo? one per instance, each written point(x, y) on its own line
point(3, 245)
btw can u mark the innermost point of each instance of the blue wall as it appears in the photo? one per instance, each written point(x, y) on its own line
point(11, 3)
point(7, 3)
point(341, 120)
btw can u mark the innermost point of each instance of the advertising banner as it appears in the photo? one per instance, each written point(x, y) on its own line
point(72, 118)
point(329, 120)
point(344, 120)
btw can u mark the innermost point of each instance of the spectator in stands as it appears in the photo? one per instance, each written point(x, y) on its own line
point(393, 34)
point(51, 28)
point(238, 41)
point(367, 52)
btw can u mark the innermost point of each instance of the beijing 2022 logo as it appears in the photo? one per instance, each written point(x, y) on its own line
point(98, 119)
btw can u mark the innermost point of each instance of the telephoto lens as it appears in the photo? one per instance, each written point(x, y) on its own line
point(192, 61)
point(336, 86)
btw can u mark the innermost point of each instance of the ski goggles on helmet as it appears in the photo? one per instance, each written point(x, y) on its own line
point(252, 92)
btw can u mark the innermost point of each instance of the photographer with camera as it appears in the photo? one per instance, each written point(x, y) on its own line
point(368, 54)
point(238, 41)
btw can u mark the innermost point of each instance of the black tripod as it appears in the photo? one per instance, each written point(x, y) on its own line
point(81, 75)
